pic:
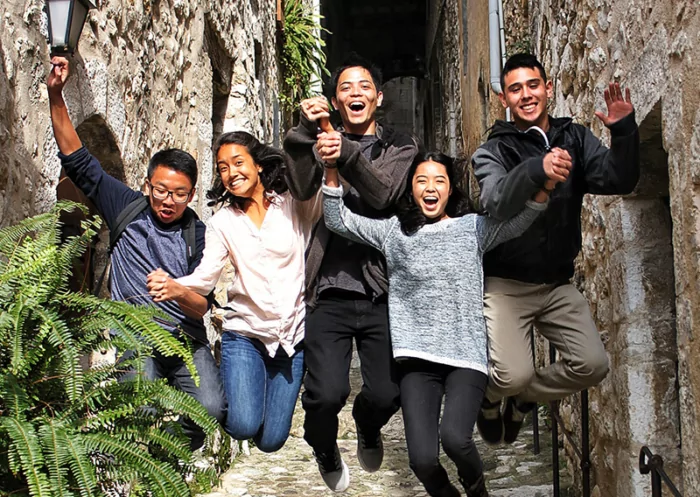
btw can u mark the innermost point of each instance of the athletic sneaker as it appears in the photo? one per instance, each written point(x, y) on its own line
point(513, 417)
point(370, 449)
point(489, 422)
point(334, 471)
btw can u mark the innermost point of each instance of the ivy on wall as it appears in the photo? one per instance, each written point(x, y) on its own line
point(302, 58)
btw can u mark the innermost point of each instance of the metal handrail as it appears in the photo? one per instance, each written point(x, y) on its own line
point(583, 452)
point(654, 464)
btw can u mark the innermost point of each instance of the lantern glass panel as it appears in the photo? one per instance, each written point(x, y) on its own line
point(59, 10)
point(79, 14)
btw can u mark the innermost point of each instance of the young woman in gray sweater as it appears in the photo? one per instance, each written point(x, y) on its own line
point(434, 259)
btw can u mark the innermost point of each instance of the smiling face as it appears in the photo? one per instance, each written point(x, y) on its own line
point(526, 94)
point(357, 99)
point(431, 189)
point(173, 183)
point(239, 173)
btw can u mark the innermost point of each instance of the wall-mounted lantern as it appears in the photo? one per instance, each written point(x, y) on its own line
point(66, 20)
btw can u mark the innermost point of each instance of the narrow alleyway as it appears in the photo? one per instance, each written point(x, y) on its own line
point(512, 471)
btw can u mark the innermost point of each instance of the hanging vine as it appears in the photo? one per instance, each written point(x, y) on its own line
point(303, 59)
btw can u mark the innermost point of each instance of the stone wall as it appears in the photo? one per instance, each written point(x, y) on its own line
point(158, 74)
point(638, 265)
point(635, 245)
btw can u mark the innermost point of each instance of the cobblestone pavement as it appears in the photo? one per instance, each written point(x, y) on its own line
point(512, 470)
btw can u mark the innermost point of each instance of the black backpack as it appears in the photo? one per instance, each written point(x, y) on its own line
point(129, 214)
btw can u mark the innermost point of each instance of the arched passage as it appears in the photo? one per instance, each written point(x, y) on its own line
point(97, 137)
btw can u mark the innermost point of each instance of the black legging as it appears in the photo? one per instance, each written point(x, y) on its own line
point(422, 385)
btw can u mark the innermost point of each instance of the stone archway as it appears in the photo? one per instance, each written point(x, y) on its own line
point(97, 137)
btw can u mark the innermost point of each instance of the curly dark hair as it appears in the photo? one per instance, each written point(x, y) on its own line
point(272, 161)
point(408, 212)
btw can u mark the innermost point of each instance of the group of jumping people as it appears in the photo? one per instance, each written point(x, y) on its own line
point(358, 235)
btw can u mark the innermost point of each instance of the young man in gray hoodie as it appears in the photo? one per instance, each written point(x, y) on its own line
point(346, 281)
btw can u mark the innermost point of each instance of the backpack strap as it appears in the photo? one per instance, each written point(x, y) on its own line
point(189, 234)
point(129, 213)
point(123, 219)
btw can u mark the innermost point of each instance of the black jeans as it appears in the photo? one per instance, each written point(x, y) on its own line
point(209, 393)
point(330, 330)
point(423, 385)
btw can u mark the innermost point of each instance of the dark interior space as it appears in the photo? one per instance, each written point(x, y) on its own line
point(391, 33)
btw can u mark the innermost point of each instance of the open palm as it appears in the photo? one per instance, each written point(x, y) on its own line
point(618, 106)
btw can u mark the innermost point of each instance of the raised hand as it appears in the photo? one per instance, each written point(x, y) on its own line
point(618, 107)
point(329, 145)
point(315, 108)
point(58, 75)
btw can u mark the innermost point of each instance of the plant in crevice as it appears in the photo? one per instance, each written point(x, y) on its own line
point(302, 58)
point(66, 430)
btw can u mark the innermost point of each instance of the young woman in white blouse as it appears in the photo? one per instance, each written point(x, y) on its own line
point(263, 232)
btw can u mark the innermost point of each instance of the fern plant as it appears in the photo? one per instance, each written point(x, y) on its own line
point(302, 57)
point(66, 430)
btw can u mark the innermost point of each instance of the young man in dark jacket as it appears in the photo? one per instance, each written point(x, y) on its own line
point(150, 246)
point(527, 278)
point(346, 281)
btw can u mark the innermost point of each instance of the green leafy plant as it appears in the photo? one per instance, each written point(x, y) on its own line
point(302, 58)
point(66, 430)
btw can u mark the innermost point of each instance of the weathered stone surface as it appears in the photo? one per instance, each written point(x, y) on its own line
point(631, 250)
point(639, 264)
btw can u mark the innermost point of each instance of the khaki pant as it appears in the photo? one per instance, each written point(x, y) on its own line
point(562, 316)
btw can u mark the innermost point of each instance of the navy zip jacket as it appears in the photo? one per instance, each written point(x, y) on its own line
point(509, 167)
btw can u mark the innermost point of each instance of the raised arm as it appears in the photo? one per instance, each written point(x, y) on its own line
point(343, 221)
point(613, 171)
point(63, 130)
point(492, 232)
point(305, 170)
point(109, 195)
point(380, 182)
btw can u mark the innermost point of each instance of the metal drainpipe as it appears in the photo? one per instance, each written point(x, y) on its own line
point(497, 44)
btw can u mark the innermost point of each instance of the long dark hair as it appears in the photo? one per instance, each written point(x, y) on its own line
point(409, 214)
point(272, 161)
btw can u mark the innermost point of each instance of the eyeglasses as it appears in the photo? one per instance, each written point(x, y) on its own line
point(162, 193)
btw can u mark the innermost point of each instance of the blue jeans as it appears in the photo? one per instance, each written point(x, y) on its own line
point(209, 393)
point(261, 390)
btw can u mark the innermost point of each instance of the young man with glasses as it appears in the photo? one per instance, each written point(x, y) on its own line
point(150, 247)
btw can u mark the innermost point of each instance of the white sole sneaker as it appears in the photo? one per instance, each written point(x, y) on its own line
point(338, 481)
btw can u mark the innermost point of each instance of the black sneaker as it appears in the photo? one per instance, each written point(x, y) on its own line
point(513, 417)
point(489, 422)
point(334, 471)
point(370, 449)
point(476, 489)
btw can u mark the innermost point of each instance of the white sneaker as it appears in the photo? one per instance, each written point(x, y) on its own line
point(334, 471)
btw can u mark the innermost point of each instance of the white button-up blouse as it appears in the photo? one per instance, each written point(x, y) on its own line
point(266, 296)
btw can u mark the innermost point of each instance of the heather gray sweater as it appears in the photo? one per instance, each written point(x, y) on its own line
point(436, 310)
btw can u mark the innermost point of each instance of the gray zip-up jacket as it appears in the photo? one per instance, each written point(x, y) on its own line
point(377, 184)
